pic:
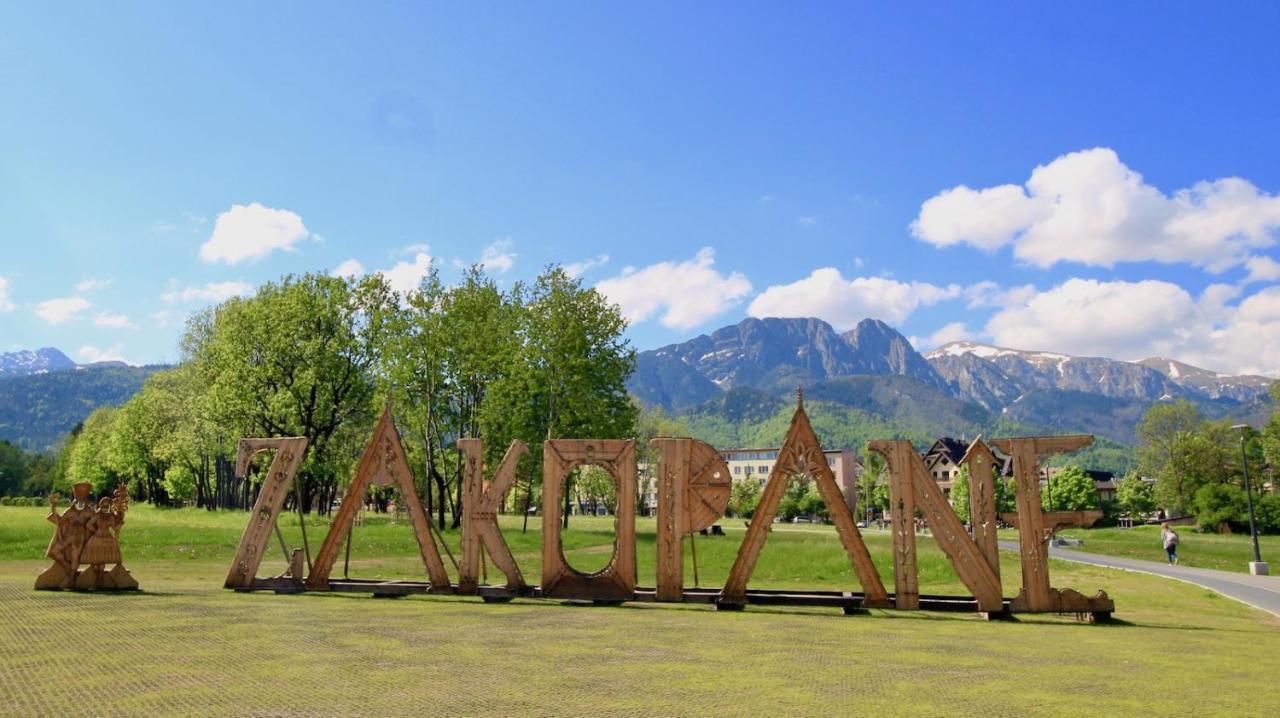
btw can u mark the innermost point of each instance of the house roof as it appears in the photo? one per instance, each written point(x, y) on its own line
point(953, 449)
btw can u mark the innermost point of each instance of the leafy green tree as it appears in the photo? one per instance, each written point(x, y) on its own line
point(812, 504)
point(1270, 438)
point(568, 379)
point(295, 359)
point(1070, 490)
point(744, 496)
point(1219, 505)
point(1165, 434)
point(14, 469)
point(90, 461)
point(960, 494)
point(1135, 496)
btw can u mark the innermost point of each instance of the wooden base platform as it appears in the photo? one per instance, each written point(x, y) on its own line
point(1094, 609)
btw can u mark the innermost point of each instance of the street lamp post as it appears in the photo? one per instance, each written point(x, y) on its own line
point(1257, 567)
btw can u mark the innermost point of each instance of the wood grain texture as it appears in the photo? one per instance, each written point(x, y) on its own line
point(982, 501)
point(384, 463)
point(617, 580)
point(964, 554)
point(480, 502)
point(902, 521)
point(801, 455)
point(254, 542)
point(1036, 594)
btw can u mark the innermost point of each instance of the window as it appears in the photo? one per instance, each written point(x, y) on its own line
point(737, 469)
point(831, 461)
point(763, 469)
point(751, 469)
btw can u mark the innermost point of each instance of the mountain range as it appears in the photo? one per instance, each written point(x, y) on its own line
point(959, 388)
point(42, 361)
point(44, 394)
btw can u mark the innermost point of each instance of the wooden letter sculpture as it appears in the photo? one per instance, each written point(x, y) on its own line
point(480, 501)
point(911, 487)
point(693, 491)
point(982, 501)
point(266, 512)
point(1035, 527)
point(384, 464)
point(617, 581)
point(801, 455)
point(85, 537)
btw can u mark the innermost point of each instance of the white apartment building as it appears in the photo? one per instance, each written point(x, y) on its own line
point(755, 465)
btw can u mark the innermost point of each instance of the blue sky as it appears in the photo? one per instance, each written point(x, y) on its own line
point(1095, 179)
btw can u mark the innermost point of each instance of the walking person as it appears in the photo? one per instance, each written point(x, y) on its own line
point(1170, 539)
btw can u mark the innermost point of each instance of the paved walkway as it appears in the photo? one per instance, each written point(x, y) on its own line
point(1262, 592)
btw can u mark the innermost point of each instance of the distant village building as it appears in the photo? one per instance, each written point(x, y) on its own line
point(755, 465)
point(942, 459)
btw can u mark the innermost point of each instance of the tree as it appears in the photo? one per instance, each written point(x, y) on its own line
point(1165, 433)
point(14, 469)
point(744, 496)
point(1135, 496)
point(1218, 506)
point(960, 494)
point(1070, 490)
point(90, 462)
point(569, 377)
point(296, 359)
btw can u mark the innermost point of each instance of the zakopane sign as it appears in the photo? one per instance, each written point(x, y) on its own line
point(692, 493)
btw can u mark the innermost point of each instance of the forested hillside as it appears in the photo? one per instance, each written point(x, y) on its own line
point(37, 410)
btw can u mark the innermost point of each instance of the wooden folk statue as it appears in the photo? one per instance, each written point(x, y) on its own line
point(83, 536)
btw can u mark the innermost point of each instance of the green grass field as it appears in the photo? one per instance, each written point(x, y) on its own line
point(1226, 552)
point(185, 646)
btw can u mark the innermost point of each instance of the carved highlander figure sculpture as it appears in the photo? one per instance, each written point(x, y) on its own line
point(83, 536)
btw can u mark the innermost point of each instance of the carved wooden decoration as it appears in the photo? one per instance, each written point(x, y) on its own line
point(801, 455)
point(86, 537)
point(384, 464)
point(693, 492)
point(982, 501)
point(907, 471)
point(1036, 593)
point(617, 581)
point(480, 502)
point(902, 524)
point(266, 511)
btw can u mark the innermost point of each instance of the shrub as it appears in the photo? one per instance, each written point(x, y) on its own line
point(1218, 505)
point(1266, 512)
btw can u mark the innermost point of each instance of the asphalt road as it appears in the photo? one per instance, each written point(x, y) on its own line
point(1261, 592)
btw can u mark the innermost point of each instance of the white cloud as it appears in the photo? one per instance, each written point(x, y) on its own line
point(953, 332)
point(1261, 269)
point(211, 292)
point(61, 310)
point(6, 304)
point(107, 320)
point(348, 269)
point(807, 221)
point(767, 198)
point(1088, 207)
point(498, 257)
point(577, 269)
point(406, 276)
point(989, 294)
point(162, 318)
point(844, 302)
point(90, 354)
point(687, 293)
point(1133, 320)
point(251, 232)
point(91, 284)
